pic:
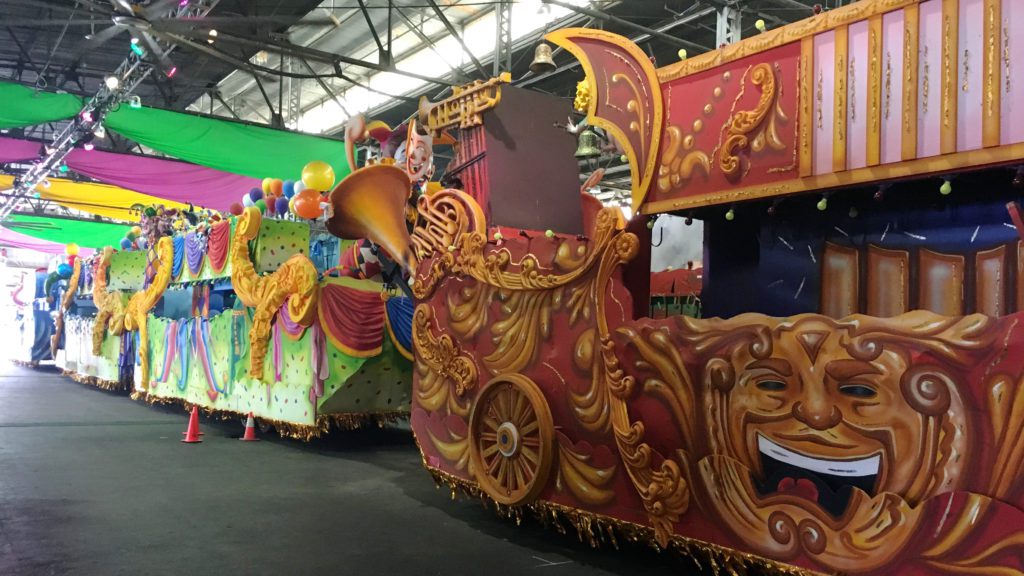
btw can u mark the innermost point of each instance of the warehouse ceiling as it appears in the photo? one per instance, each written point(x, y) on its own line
point(308, 65)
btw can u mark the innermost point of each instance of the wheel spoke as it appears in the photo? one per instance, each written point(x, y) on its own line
point(520, 476)
point(518, 410)
point(490, 450)
point(491, 437)
point(529, 454)
point(492, 466)
point(528, 427)
point(530, 441)
point(491, 423)
point(502, 471)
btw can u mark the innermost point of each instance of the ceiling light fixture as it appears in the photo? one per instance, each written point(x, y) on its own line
point(111, 82)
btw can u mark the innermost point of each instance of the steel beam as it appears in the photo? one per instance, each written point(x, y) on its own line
point(458, 37)
point(598, 14)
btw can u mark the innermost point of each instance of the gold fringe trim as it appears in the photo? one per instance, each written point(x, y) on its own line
point(25, 363)
point(304, 432)
point(102, 384)
point(598, 529)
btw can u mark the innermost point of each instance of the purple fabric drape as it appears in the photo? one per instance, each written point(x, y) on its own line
point(195, 251)
point(167, 179)
point(16, 150)
point(17, 240)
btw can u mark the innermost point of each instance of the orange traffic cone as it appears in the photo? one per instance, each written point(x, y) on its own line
point(250, 430)
point(193, 433)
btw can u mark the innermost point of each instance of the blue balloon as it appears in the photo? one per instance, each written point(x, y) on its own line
point(256, 194)
point(65, 270)
point(126, 244)
point(288, 189)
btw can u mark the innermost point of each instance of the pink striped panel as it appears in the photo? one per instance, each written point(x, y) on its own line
point(892, 86)
point(858, 55)
point(824, 100)
point(970, 61)
point(1012, 99)
point(929, 79)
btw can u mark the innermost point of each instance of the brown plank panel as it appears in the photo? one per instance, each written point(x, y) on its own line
point(940, 283)
point(888, 279)
point(840, 279)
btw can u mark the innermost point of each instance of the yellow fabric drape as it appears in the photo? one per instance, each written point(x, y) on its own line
point(100, 199)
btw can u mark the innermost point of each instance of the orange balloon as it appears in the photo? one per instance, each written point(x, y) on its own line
point(307, 204)
point(276, 187)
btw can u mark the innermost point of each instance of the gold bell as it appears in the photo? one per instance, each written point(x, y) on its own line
point(542, 61)
point(589, 144)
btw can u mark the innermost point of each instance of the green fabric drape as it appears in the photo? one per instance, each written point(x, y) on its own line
point(61, 230)
point(229, 146)
point(23, 106)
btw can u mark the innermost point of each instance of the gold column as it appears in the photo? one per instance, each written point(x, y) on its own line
point(839, 133)
point(990, 99)
point(806, 106)
point(950, 72)
point(911, 25)
point(874, 130)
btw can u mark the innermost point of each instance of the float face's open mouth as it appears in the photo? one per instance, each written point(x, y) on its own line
point(827, 482)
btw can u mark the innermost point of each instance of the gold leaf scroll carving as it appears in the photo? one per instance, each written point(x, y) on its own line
point(755, 128)
point(441, 355)
point(676, 165)
point(588, 483)
point(295, 282)
point(139, 305)
point(109, 304)
point(445, 216)
point(65, 304)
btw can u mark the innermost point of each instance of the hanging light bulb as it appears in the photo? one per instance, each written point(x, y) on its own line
point(88, 146)
point(946, 188)
point(760, 25)
point(853, 212)
point(650, 224)
point(100, 131)
point(212, 36)
point(730, 215)
point(681, 53)
point(823, 204)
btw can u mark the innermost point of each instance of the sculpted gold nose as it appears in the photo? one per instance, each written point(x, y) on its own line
point(819, 415)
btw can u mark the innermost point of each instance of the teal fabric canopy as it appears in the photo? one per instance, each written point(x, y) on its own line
point(23, 106)
point(229, 146)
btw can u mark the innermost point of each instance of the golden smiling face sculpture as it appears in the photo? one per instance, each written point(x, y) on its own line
point(824, 435)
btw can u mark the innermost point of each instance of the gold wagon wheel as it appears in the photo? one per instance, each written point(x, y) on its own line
point(511, 439)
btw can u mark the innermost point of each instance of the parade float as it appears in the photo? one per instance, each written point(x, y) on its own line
point(851, 400)
point(248, 312)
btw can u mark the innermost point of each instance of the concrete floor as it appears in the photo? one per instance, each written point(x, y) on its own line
point(93, 483)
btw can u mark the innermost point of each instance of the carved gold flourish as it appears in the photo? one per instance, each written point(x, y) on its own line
point(947, 69)
point(676, 166)
point(138, 307)
point(587, 483)
point(819, 98)
point(442, 355)
point(759, 122)
point(967, 68)
point(888, 83)
point(635, 107)
point(992, 67)
point(444, 216)
point(295, 282)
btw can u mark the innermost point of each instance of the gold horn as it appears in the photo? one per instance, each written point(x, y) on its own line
point(370, 203)
point(542, 61)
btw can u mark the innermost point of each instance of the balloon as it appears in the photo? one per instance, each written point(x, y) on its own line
point(246, 201)
point(307, 204)
point(298, 187)
point(142, 242)
point(281, 206)
point(130, 235)
point(255, 194)
point(271, 202)
point(276, 186)
point(149, 212)
point(65, 270)
point(288, 189)
point(125, 243)
point(137, 230)
point(71, 249)
point(318, 175)
point(266, 184)
point(291, 205)
point(236, 209)
point(261, 204)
